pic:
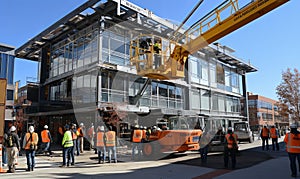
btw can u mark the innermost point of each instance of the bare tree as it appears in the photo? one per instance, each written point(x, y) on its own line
point(288, 92)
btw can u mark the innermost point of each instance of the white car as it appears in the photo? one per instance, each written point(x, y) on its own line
point(243, 131)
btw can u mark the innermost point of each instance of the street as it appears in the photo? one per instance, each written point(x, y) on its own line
point(176, 166)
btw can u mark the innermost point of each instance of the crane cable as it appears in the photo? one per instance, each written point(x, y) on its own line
point(173, 37)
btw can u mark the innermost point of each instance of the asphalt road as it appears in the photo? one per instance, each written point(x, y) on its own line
point(185, 165)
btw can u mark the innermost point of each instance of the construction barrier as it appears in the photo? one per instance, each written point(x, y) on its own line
point(1, 167)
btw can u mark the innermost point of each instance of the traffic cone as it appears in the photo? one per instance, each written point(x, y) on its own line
point(1, 168)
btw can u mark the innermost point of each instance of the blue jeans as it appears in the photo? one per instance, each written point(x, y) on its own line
point(4, 155)
point(47, 147)
point(138, 147)
point(76, 147)
point(30, 156)
point(67, 155)
point(101, 153)
point(112, 149)
point(293, 157)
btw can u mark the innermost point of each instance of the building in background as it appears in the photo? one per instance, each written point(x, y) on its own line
point(7, 61)
point(84, 65)
point(264, 111)
point(27, 103)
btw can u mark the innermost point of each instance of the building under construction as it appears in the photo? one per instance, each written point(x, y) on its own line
point(86, 74)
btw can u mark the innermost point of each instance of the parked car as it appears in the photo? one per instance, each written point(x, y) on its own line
point(243, 131)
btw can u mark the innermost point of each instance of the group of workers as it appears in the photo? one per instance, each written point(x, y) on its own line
point(105, 141)
point(230, 141)
point(13, 147)
point(267, 133)
point(291, 140)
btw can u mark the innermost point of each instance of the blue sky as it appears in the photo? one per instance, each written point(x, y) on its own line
point(270, 43)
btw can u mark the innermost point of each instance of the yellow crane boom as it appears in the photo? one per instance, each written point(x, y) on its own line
point(212, 27)
point(168, 62)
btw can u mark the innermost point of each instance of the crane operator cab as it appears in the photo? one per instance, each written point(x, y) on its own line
point(152, 57)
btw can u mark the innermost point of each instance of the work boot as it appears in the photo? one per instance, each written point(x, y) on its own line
point(28, 169)
point(9, 169)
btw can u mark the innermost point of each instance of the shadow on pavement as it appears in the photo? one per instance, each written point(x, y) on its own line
point(245, 158)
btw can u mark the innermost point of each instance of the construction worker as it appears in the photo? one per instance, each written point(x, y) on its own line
point(136, 139)
point(81, 136)
point(30, 143)
point(231, 147)
point(292, 142)
point(157, 57)
point(274, 133)
point(46, 139)
point(67, 143)
point(74, 138)
point(12, 144)
point(111, 144)
point(91, 135)
point(75, 134)
point(265, 135)
point(204, 141)
point(100, 144)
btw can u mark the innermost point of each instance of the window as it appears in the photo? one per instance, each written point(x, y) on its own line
point(212, 73)
point(10, 95)
point(220, 74)
point(205, 99)
point(195, 99)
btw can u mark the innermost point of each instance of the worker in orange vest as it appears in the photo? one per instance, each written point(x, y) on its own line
point(100, 144)
point(136, 139)
point(30, 145)
point(292, 141)
point(111, 144)
point(265, 136)
point(274, 133)
point(81, 135)
point(231, 147)
point(46, 140)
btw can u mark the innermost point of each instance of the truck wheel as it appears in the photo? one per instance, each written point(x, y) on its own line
point(151, 150)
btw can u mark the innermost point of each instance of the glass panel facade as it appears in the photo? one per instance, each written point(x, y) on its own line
point(7, 67)
point(115, 47)
point(74, 52)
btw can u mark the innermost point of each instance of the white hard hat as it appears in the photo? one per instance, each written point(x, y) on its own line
point(230, 128)
point(101, 128)
point(81, 124)
point(46, 127)
point(31, 129)
point(293, 125)
point(136, 126)
point(12, 129)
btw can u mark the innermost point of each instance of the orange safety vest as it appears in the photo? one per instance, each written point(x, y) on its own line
point(91, 132)
point(137, 135)
point(273, 133)
point(265, 132)
point(80, 132)
point(292, 143)
point(110, 138)
point(33, 140)
point(231, 142)
point(74, 136)
point(45, 136)
point(100, 140)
